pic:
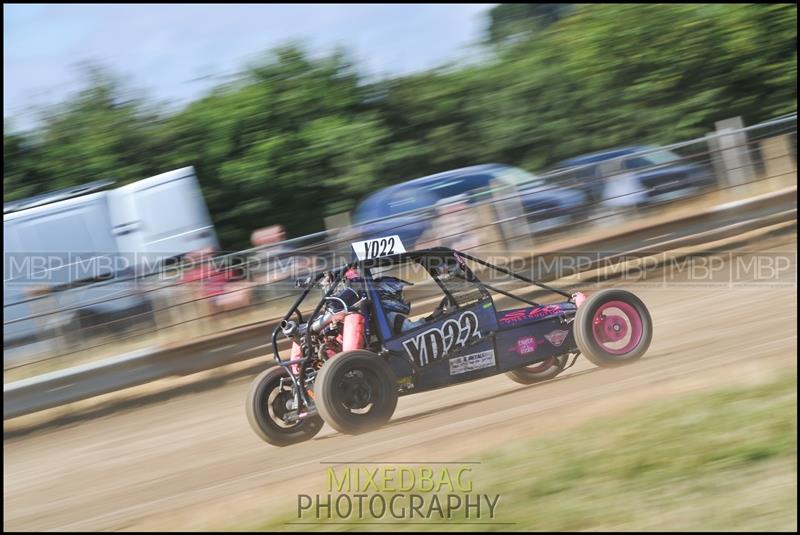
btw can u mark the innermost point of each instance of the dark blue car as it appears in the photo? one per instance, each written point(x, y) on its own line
point(642, 175)
point(396, 209)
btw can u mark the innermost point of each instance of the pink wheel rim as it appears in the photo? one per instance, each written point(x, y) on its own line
point(541, 366)
point(617, 327)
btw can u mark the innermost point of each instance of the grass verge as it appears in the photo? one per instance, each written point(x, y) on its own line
point(722, 460)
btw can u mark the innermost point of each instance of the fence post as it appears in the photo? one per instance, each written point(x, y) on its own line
point(489, 234)
point(715, 155)
point(511, 220)
point(734, 152)
point(779, 165)
point(337, 221)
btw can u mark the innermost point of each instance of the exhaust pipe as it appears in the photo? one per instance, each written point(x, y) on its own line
point(294, 331)
point(326, 319)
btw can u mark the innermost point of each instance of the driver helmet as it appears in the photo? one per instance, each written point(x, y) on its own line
point(390, 292)
point(450, 267)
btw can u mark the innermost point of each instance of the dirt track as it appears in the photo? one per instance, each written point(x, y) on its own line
point(192, 462)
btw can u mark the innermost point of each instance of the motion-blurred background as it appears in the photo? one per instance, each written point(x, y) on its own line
point(169, 170)
point(301, 133)
point(302, 142)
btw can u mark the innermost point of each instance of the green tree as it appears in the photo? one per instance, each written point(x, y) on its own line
point(21, 172)
point(295, 138)
point(290, 142)
point(511, 22)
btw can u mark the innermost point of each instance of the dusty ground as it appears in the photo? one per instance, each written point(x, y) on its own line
point(192, 462)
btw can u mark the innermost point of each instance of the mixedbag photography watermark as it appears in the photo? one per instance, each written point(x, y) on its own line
point(399, 492)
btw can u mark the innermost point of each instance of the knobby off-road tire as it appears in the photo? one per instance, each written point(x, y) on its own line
point(355, 392)
point(266, 425)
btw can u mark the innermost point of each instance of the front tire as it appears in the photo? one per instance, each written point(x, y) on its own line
point(355, 392)
point(540, 371)
point(613, 328)
point(266, 403)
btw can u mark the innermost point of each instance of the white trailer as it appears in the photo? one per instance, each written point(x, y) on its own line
point(75, 246)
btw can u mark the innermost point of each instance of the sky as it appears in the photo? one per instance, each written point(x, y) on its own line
point(176, 52)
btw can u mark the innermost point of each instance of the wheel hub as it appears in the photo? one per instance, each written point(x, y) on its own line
point(282, 409)
point(612, 328)
point(357, 392)
point(283, 405)
point(617, 327)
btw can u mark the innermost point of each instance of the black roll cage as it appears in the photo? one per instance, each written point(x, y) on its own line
point(420, 256)
point(366, 265)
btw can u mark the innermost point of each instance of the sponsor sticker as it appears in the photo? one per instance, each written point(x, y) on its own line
point(468, 363)
point(515, 316)
point(556, 337)
point(526, 345)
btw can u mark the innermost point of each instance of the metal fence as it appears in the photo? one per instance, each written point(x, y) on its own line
point(50, 327)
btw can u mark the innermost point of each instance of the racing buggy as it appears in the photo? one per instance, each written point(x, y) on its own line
point(359, 349)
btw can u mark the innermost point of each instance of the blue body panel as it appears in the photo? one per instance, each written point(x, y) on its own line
point(533, 334)
point(532, 343)
point(475, 342)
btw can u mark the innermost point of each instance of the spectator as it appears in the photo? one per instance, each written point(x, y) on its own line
point(214, 285)
point(453, 226)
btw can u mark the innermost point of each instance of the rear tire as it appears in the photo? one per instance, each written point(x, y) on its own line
point(266, 394)
point(536, 373)
point(613, 328)
point(355, 392)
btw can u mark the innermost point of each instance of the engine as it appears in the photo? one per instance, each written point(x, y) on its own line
point(339, 326)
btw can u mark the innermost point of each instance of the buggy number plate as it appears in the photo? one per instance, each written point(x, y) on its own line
point(468, 363)
point(378, 247)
